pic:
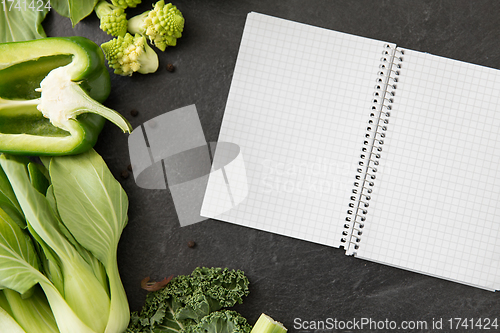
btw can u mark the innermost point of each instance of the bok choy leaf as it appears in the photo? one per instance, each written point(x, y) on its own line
point(85, 304)
point(8, 323)
point(19, 265)
point(32, 313)
point(70, 213)
point(85, 190)
point(18, 23)
point(19, 271)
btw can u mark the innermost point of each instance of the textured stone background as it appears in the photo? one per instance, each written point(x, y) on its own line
point(289, 278)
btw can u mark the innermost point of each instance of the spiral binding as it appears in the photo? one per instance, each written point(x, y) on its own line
point(390, 66)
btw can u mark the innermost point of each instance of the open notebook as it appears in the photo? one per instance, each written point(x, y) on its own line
point(350, 142)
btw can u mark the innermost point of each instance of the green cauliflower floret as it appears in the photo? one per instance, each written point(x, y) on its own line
point(163, 24)
point(113, 18)
point(129, 54)
point(187, 300)
point(231, 321)
point(126, 3)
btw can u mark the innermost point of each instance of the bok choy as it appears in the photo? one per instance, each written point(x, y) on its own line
point(74, 211)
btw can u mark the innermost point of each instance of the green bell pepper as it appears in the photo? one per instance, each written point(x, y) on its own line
point(51, 90)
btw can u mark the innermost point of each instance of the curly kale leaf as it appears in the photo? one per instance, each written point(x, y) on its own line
point(224, 321)
point(187, 299)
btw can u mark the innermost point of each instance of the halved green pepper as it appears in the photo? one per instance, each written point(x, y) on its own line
point(51, 90)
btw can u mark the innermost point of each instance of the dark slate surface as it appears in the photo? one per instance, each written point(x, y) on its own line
point(289, 278)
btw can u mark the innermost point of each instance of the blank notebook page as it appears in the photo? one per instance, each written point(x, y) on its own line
point(435, 206)
point(298, 106)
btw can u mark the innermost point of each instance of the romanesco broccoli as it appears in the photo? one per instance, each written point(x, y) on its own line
point(126, 3)
point(129, 54)
point(113, 18)
point(163, 24)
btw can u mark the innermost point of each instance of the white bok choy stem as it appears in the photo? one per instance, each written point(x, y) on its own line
point(93, 206)
point(19, 271)
point(84, 298)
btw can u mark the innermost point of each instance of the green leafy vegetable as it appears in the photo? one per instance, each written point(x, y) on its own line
point(8, 323)
point(224, 321)
point(76, 10)
point(75, 213)
point(20, 22)
point(19, 271)
point(85, 190)
point(32, 313)
point(8, 201)
point(18, 261)
point(187, 300)
point(91, 307)
point(266, 324)
point(39, 180)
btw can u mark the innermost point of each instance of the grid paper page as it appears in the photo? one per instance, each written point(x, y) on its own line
point(435, 206)
point(298, 107)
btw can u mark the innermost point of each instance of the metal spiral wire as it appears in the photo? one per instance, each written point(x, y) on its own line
point(383, 98)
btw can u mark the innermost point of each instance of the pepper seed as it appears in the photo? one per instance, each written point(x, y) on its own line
point(170, 68)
